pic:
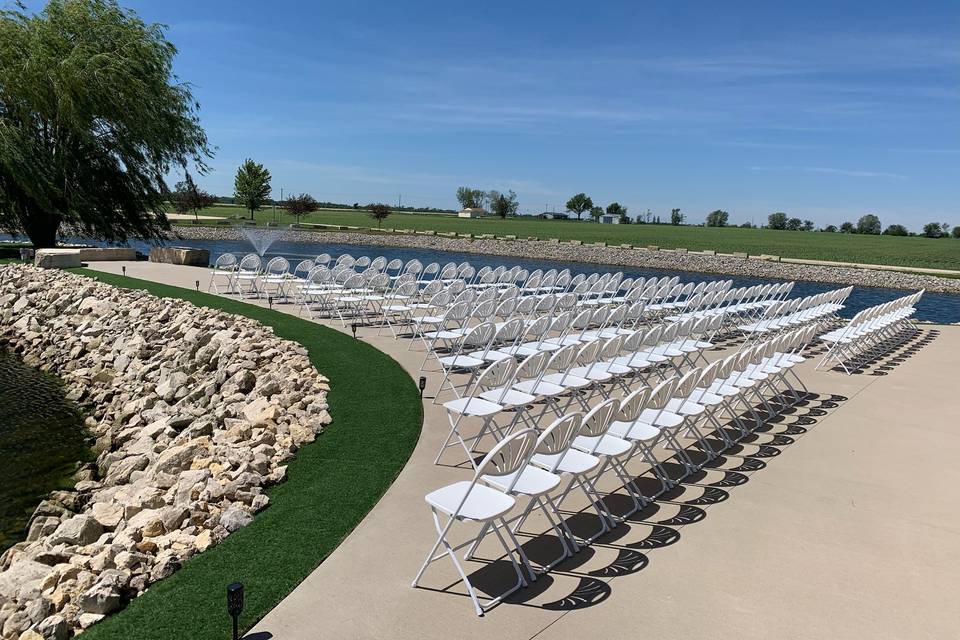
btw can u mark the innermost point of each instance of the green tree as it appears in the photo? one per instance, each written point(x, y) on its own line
point(301, 205)
point(91, 120)
point(808, 225)
point(896, 230)
point(595, 213)
point(847, 227)
point(932, 230)
point(777, 221)
point(676, 217)
point(503, 204)
point(187, 198)
point(251, 186)
point(869, 224)
point(794, 224)
point(379, 212)
point(579, 204)
point(471, 198)
point(617, 209)
point(830, 228)
point(956, 232)
point(717, 218)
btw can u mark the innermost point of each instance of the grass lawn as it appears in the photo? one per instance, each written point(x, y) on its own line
point(943, 253)
point(332, 484)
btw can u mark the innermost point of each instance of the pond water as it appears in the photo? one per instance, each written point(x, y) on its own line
point(42, 440)
point(935, 307)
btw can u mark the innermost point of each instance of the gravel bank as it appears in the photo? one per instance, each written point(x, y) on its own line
point(609, 255)
point(195, 411)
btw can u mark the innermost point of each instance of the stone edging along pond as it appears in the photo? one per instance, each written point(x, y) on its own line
point(608, 255)
point(195, 411)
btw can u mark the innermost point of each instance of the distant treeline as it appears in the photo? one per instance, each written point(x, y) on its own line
point(341, 205)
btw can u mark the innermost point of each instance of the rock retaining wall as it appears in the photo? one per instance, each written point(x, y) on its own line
point(630, 257)
point(194, 411)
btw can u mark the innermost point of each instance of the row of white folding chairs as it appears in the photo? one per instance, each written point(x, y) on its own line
point(871, 331)
point(544, 466)
point(798, 311)
point(738, 304)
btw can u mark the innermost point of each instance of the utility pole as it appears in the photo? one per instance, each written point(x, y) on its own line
point(399, 198)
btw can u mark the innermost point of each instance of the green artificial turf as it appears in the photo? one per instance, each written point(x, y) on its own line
point(331, 485)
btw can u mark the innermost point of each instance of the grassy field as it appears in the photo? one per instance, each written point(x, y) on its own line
point(942, 253)
point(332, 484)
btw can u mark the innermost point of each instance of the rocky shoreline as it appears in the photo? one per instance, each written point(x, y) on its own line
point(195, 412)
point(608, 255)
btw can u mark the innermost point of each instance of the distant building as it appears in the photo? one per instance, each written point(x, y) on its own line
point(552, 215)
point(609, 219)
point(472, 212)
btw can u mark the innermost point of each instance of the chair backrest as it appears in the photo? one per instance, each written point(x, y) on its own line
point(323, 259)
point(250, 262)
point(557, 437)
point(509, 456)
point(225, 261)
point(597, 421)
point(634, 404)
point(662, 393)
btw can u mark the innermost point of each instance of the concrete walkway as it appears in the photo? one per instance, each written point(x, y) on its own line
point(849, 529)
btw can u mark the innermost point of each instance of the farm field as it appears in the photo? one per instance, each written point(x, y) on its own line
point(943, 253)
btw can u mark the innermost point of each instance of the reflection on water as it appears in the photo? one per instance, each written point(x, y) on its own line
point(42, 438)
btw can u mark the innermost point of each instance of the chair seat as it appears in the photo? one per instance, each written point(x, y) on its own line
point(491, 356)
point(532, 481)
point(539, 388)
point(591, 373)
point(702, 396)
point(685, 407)
point(508, 397)
point(473, 407)
point(567, 380)
point(605, 445)
point(614, 368)
point(664, 419)
point(633, 431)
point(483, 503)
point(461, 362)
point(633, 361)
point(571, 461)
point(541, 345)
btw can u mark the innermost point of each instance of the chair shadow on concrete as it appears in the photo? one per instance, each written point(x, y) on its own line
point(578, 582)
point(884, 358)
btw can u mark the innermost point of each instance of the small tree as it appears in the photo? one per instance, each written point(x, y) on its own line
point(471, 198)
point(956, 232)
point(896, 230)
point(847, 227)
point(717, 218)
point(379, 212)
point(869, 224)
point(187, 198)
point(251, 186)
point(595, 213)
point(503, 204)
point(676, 218)
point(830, 228)
point(777, 221)
point(746, 225)
point(794, 224)
point(301, 205)
point(808, 225)
point(932, 230)
point(579, 204)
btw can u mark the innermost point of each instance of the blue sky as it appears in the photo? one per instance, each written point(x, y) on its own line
point(825, 110)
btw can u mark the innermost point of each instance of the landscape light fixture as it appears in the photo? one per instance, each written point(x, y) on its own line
point(124, 268)
point(270, 301)
point(423, 385)
point(353, 327)
point(235, 606)
point(198, 285)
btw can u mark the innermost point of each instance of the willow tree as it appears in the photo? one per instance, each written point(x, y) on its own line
point(91, 120)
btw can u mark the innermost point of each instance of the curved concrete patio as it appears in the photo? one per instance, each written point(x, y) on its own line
point(849, 529)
